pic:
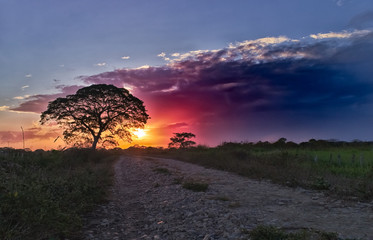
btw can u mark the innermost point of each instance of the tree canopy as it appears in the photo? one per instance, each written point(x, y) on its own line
point(97, 114)
point(182, 140)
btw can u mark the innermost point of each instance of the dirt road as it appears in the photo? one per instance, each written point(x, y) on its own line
point(148, 202)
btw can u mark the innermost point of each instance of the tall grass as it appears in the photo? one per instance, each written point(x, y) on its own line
point(43, 194)
point(342, 169)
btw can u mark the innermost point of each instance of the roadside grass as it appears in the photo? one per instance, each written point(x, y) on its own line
point(263, 232)
point(44, 193)
point(345, 170)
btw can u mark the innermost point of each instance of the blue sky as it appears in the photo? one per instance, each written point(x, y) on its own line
point(46, 44)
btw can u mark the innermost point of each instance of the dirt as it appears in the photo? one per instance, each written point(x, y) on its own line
point(150, 204)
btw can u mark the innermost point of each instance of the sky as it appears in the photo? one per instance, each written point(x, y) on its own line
point(236, 70)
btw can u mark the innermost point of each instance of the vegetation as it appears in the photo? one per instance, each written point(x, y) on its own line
point(341, 168)
point(97, 114)
point(44, 193)
point(182, 140)
point(273, 233)
point(195, 186)
point(164, 171)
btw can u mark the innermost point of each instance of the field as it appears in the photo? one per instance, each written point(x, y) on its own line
point(342, 169)
point(43, 194)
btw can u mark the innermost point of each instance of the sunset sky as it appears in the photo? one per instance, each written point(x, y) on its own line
point(224, 70)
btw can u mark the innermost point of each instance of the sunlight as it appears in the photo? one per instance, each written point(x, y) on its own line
point(139, 133)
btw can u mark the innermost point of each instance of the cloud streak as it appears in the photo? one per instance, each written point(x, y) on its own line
point(4, 108)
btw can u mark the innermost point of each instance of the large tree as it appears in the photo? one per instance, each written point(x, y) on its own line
point(97, 114)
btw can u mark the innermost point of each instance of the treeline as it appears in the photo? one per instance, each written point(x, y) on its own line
point(281, 143)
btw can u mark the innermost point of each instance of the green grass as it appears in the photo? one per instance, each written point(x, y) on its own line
point(44, 194)
point(338, 168)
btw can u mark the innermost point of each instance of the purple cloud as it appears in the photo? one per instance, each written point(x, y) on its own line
point(38, 103)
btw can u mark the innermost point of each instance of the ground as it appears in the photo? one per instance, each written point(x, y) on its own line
point(148, 201)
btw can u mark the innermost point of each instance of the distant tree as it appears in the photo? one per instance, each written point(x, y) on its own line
point(97, 114)
point(182, 140)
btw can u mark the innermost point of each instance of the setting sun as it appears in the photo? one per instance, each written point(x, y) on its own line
point(139, 133)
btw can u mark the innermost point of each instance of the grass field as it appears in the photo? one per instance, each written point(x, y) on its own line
point(339, 168)
point(43, 194)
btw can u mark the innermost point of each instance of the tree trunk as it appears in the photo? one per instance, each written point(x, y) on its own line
point(94, 144)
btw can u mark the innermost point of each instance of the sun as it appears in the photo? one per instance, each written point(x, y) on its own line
point(139, 133)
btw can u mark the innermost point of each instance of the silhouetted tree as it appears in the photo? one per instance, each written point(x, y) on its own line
point(182, 140)
point(97, 114)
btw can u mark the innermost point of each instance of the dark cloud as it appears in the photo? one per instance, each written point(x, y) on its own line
point(290, 76)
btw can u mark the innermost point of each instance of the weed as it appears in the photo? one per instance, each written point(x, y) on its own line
point(196, 186)
point(267, 233)
point(164, 171)
point(273, 233)
point(320, 184)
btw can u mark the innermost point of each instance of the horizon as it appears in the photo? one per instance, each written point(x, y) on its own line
point(252, 71)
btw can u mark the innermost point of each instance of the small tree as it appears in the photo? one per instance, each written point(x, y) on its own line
point(97, 114)
point(182, 140)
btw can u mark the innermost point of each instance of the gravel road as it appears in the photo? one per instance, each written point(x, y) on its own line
point(148, 202)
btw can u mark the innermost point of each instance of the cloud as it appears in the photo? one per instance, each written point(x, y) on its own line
point(125, 57)
point(103, 64)
point(21, 97)
point(255, 86)
point(38, 103)
point(28, 76)
point(143, 67)
point(4, 108)
point(345, 34)
point(162, 55)
point(31, 134)
point(340, 3)
point(266, 74)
